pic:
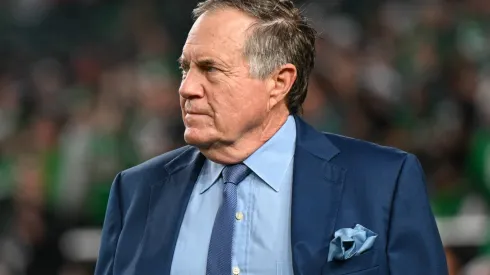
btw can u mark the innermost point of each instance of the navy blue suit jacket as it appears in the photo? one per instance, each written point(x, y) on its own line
point(338, 182)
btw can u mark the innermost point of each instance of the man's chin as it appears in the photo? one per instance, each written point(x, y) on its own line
point(197, 140)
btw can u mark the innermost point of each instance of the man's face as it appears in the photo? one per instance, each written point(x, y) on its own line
point(220, 101)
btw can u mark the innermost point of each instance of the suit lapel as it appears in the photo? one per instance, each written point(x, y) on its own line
point(168, 202)
point(317, 190)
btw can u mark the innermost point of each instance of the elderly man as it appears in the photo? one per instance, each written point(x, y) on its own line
point(257, 190)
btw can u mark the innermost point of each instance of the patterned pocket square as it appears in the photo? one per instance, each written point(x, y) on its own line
point(349, 242)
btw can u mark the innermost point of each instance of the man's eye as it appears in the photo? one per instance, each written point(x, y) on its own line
point(210, 69)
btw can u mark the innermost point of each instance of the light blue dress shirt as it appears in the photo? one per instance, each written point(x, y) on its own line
point(262, 236)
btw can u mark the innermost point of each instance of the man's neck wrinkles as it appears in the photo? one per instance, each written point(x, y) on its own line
point(245, 147)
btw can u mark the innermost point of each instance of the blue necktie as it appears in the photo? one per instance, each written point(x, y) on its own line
point(220, 246)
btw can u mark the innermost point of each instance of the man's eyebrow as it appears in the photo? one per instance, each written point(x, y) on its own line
point(182, 61)
point(206, 62)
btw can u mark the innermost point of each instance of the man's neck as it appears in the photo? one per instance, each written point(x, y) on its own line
point(247, 144)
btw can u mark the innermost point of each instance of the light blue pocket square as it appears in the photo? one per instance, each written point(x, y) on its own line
point(349, 242)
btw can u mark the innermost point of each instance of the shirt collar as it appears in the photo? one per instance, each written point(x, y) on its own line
point(209, 175)
point(270, 162)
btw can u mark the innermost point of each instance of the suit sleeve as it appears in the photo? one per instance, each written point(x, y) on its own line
point(414, 244)
point(110, 231)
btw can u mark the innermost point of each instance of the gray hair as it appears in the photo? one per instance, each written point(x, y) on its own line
point(281, 35)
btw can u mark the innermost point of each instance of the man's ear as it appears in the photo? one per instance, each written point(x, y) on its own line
point(281, 82)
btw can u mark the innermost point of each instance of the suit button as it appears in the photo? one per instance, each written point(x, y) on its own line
point(236, 270)
point(239, 216)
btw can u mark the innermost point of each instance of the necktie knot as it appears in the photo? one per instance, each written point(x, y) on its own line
point(235, 173)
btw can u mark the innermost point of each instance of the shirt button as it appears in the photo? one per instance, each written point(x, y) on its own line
point(236, 270)
point(239, 216)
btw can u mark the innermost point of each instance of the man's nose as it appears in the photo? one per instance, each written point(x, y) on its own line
point(191, 86)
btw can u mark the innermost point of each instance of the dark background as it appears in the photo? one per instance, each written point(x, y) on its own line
point(89, 87)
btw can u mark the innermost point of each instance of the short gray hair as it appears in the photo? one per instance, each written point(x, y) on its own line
point(280, 36)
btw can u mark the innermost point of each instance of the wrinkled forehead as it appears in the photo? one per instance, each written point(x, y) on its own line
point(218, 32)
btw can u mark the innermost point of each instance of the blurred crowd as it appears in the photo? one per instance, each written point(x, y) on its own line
point(89, 88)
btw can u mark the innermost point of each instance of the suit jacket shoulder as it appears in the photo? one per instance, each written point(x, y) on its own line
point(372, 163)
point(153, 171)
point(366, 150)
point(157, 166)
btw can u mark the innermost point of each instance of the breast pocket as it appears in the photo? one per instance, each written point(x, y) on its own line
point(364, 264)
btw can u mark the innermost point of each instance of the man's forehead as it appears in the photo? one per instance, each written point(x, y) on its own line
point(196, 48)
point(223, 30)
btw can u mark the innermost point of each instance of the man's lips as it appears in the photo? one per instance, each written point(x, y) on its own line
point(195, 113)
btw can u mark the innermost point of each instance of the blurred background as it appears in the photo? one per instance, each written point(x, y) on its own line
point(89, 88)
